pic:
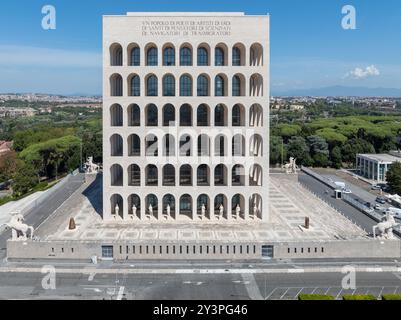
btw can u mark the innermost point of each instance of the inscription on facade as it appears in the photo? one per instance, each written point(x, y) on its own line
point(206, 28)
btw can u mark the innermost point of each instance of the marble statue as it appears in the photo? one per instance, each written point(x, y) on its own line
point(385, 227)
point(291, 167)
point(237, 210)
point(203, 209)
point(18, 228)
point(150, 209)
point(91, 167)
point(221, 210)
point(168, 210)
point(134, 210)
point(116, 209)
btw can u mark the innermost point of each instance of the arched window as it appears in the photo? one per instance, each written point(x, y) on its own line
point(186, 115)
point(151, 175)
point(256, 85)
point(152, 202)
point(168, 175)
point(151, 86)
point(203, 175)
point(116, 175)
point(219, 57)
point(185, 145)
point(238, 116)
point(135, 86)
point(169, 56)
point(256, 55)
point(255, 206)
point(186, 205)
point(151, 145)
point(116, 85)
point(203, 116)
point(134, 200)
point(203, 145)
point(168, 145)
point(238, 146)
point(220, 175)
point(134, 175)
point(256, 115)
point(116, 115)
point(186, 56)
point(220, 146)
point(186, 175)
point(203, 201)
point(219, 86)
point(169, 86)
point(168, 115)
point(236, 88)
point(203, 86)
point(116, 145)
point(116, 201)
point(134, 115)
point(220, 200)
point(236, 56)
point(256, 146)
point(134, 145)
point(116, 55)
point(237, 201)
point(203, 56)
point(255, 175)
point(238, 175)
point(151, 56)
point(151, 115)
point(220, 115)
point(135, 56)
point(185, 86)
point(169, 200)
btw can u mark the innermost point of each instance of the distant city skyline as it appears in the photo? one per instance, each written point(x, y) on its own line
point(309, 48)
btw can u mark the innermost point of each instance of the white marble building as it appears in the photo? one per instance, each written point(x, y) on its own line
point(185, 117)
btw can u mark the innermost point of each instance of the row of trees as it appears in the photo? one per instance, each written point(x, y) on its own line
point(334, 142)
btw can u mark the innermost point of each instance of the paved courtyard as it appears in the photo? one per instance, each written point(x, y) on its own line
point(290, 203)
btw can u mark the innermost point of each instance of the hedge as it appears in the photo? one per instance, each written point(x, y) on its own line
point(391, 297)
point(359, 297)
point(315, 297)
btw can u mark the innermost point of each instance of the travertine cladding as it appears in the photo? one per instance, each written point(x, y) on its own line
point(245, 71)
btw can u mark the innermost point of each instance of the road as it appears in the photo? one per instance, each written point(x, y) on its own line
point(362, 220)
point(230, 286)
point(41, 212)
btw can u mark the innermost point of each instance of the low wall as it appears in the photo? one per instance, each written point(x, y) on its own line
point(210, 250)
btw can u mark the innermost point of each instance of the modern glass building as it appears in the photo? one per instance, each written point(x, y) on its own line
point(375, 166)
point(186, 117)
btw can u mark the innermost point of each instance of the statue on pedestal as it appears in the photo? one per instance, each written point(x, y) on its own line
point(19, 230)
point(237, 211)
point(134, 210)
point(150, 209)
point(203, 210)
point(221, 210)
point(291, 167)
point(255, 209)
point(116, 210)
point(385, 227)
point(91, 167)
point(168, 210)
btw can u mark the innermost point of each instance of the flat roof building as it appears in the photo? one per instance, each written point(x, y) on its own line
point(375, 166)
point(185, 117)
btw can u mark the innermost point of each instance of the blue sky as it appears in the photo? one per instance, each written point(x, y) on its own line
point(309, 48)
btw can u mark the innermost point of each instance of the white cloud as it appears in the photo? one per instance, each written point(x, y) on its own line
point(360, 73)
point(17, 56)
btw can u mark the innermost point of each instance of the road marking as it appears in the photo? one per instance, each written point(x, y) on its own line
point(282, 296)
point(338, 295)
point(296, 270)
point(120, 293)
point(374, 269)
point(271, 293)
point(251, 286)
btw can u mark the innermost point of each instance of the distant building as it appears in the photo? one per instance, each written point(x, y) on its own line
point(375, 166)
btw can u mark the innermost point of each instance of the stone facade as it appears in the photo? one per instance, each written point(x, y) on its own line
point(185, 117)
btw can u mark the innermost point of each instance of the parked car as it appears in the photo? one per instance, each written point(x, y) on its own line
point(376, 187)
point(381, 200)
